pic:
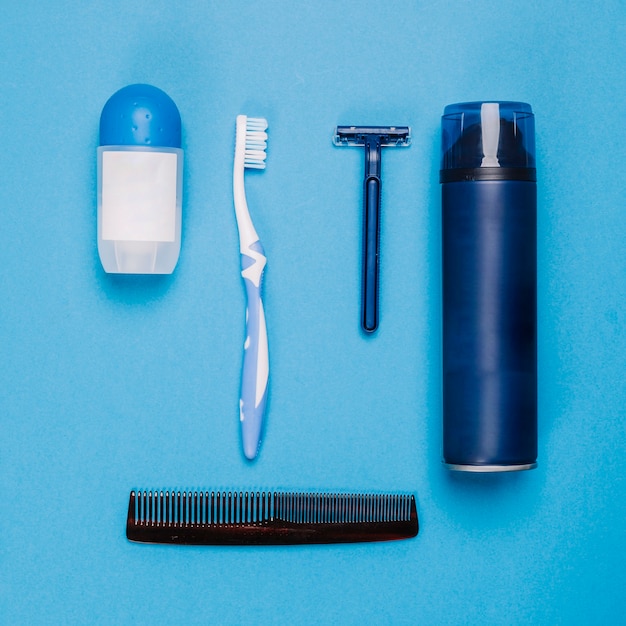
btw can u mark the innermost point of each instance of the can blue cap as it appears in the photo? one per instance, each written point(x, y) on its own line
point(140, 115)
point(488, 135)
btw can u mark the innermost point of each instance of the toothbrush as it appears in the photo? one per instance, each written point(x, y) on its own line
point(250, 146)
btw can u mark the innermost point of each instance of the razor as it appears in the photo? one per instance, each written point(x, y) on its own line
point(373, 138)
point(268, 518)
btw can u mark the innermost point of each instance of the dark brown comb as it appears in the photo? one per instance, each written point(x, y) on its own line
point(268, 518)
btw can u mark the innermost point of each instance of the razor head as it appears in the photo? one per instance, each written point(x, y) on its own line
point(268, 518)
point(384, 135)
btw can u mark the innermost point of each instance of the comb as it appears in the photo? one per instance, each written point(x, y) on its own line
point(268, 518)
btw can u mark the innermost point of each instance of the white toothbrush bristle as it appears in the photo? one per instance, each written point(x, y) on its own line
point(256, 123)
point(256, 142)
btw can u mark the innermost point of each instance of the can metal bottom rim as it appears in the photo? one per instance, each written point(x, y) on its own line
point(490, 468)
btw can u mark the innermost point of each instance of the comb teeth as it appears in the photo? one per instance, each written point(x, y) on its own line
point(237, 517)
point(316, 508)
point(158, 508)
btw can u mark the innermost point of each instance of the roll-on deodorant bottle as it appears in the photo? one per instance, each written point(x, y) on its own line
point(140, 171)
point(489, 206)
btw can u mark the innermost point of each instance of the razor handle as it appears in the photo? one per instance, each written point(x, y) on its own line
point(371, 235)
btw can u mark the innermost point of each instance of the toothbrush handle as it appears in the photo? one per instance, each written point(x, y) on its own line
point(371, 230)
point(255, 372)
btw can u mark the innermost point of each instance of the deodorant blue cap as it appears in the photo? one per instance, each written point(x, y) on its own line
point(488, 135)
point(140, 115)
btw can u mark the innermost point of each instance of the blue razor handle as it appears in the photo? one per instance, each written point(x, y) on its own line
point(371, 234)
point(255, 372)
point(489, 208)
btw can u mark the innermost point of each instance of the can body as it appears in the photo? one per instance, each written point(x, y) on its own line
point(489, 325)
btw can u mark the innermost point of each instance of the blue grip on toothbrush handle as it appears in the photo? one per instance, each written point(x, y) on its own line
point(254, 373)
point(371, 230)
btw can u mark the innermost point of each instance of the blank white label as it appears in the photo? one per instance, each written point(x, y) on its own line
point(139, 195)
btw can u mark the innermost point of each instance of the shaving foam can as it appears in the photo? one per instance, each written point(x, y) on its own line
point(489, 208)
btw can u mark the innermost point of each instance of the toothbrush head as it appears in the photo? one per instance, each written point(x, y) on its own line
point(255, 137)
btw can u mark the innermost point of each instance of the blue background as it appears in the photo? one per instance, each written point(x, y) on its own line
point(109, 383)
